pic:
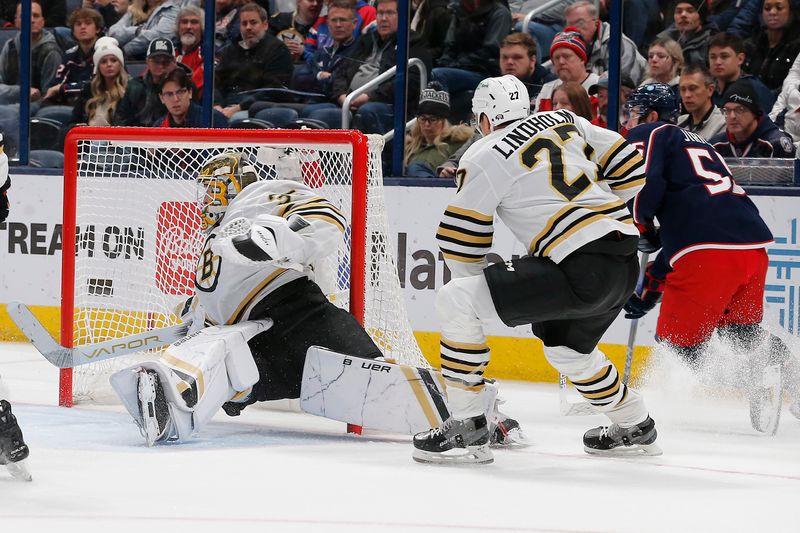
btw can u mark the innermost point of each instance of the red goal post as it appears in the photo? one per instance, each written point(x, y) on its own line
point(106, 169)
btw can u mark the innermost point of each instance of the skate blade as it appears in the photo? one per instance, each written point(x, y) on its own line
point(481, 455)
point(19, 471)
point(516, 438)
point(147, 398)
point(635, 450)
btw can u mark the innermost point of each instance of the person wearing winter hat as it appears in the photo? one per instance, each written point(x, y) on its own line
point(432, 138)
point(569, 55)
point(98, 101)
point(748, 131)
point(690, 30)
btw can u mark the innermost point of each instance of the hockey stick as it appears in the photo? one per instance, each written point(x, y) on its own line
point(634, 328)
point(64, 357)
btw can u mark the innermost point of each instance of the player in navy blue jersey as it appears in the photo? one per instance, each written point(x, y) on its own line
point(712, 262)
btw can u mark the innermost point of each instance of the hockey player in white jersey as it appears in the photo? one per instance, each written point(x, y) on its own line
point(13, 449)
point(560, 184)
point(256, 309)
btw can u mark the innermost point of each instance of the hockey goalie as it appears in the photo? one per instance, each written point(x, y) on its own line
point(262, 329)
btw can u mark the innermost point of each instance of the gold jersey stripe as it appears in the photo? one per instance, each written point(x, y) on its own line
point(241, 395)
point(455, 345)
point(624, 169)
point(604, 373)
point(603, 394)
point(189, 369)
point(327, 218)
point(469, 213)
point(628, 184)
point(472, 369)
point(611, 152)
point(252, 296)
point(419, 393)
point(563, 213)
point(573, 230)
point(463, 386)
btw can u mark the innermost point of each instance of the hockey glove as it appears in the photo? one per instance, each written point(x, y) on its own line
point(268, 239)
point(649, 239)
point(652, 290)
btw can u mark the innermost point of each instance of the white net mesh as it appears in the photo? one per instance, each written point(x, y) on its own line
point(138, 236)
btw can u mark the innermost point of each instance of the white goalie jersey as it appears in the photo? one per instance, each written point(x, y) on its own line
point(228, 286)
point(557, 181)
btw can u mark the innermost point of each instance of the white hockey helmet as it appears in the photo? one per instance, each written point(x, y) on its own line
point(501, 99)
point(223, 177)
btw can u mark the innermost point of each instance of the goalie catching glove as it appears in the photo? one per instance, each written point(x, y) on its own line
point(652, 290)
point(266, 239)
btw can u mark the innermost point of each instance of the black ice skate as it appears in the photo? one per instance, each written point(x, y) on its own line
point(153, 407)
point(454, 442)
point(13, 449)
point(615, 440)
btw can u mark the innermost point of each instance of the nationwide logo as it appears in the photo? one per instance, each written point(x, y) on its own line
point(178, 244)
point(782, 289)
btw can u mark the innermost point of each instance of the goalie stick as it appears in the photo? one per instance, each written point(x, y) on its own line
point(64, 357)
point(568, 408)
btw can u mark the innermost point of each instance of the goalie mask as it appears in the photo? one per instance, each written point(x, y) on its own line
point(222, 178)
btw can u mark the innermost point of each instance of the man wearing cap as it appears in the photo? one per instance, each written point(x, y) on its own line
point(600, 91)
point(689, 30)
point(749, 132)
point(703, 118)
point(141, 105)
point(585, 16)
point(568, 54)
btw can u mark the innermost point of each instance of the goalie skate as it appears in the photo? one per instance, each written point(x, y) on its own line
point(153, 407)
point(455, 442)
point(615, 440)
point(13, 449)
point(766, 398)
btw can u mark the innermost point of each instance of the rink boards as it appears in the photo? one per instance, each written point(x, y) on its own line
point(30, 266)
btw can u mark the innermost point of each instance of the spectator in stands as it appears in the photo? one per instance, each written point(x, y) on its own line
point(227, 28)
point(664, 60)
point(175, 92)
point(600, 91)
point(518, 58)
point(569, 56)
point(544, 26)
point(571, 96)
point(689, 30)
point(375, 53)
point(293, 27)
point(725, 57)
point(320, 34)
point(45, 59)
point(141, 105)
point(98, 101)
point(430, 19)
point(433, 139)
point(78, 66)
point(702, 116)
point(144, 21)
point(317, 75)
point(584, 16)
point(189, 28)
point(259, 60)
point(770, 52)
point(749, 132)
point(472, 44)
point(745, 21)
point(110, 10)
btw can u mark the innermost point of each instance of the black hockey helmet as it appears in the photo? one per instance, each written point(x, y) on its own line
point(658, 97)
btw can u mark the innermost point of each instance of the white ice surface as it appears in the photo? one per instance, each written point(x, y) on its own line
point(285, 471)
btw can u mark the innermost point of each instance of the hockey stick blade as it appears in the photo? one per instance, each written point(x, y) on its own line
point(64, 357)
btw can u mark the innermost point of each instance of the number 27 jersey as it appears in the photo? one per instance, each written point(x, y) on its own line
point(557, 181)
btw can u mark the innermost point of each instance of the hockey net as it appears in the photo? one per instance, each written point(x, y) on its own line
point(132, 234)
